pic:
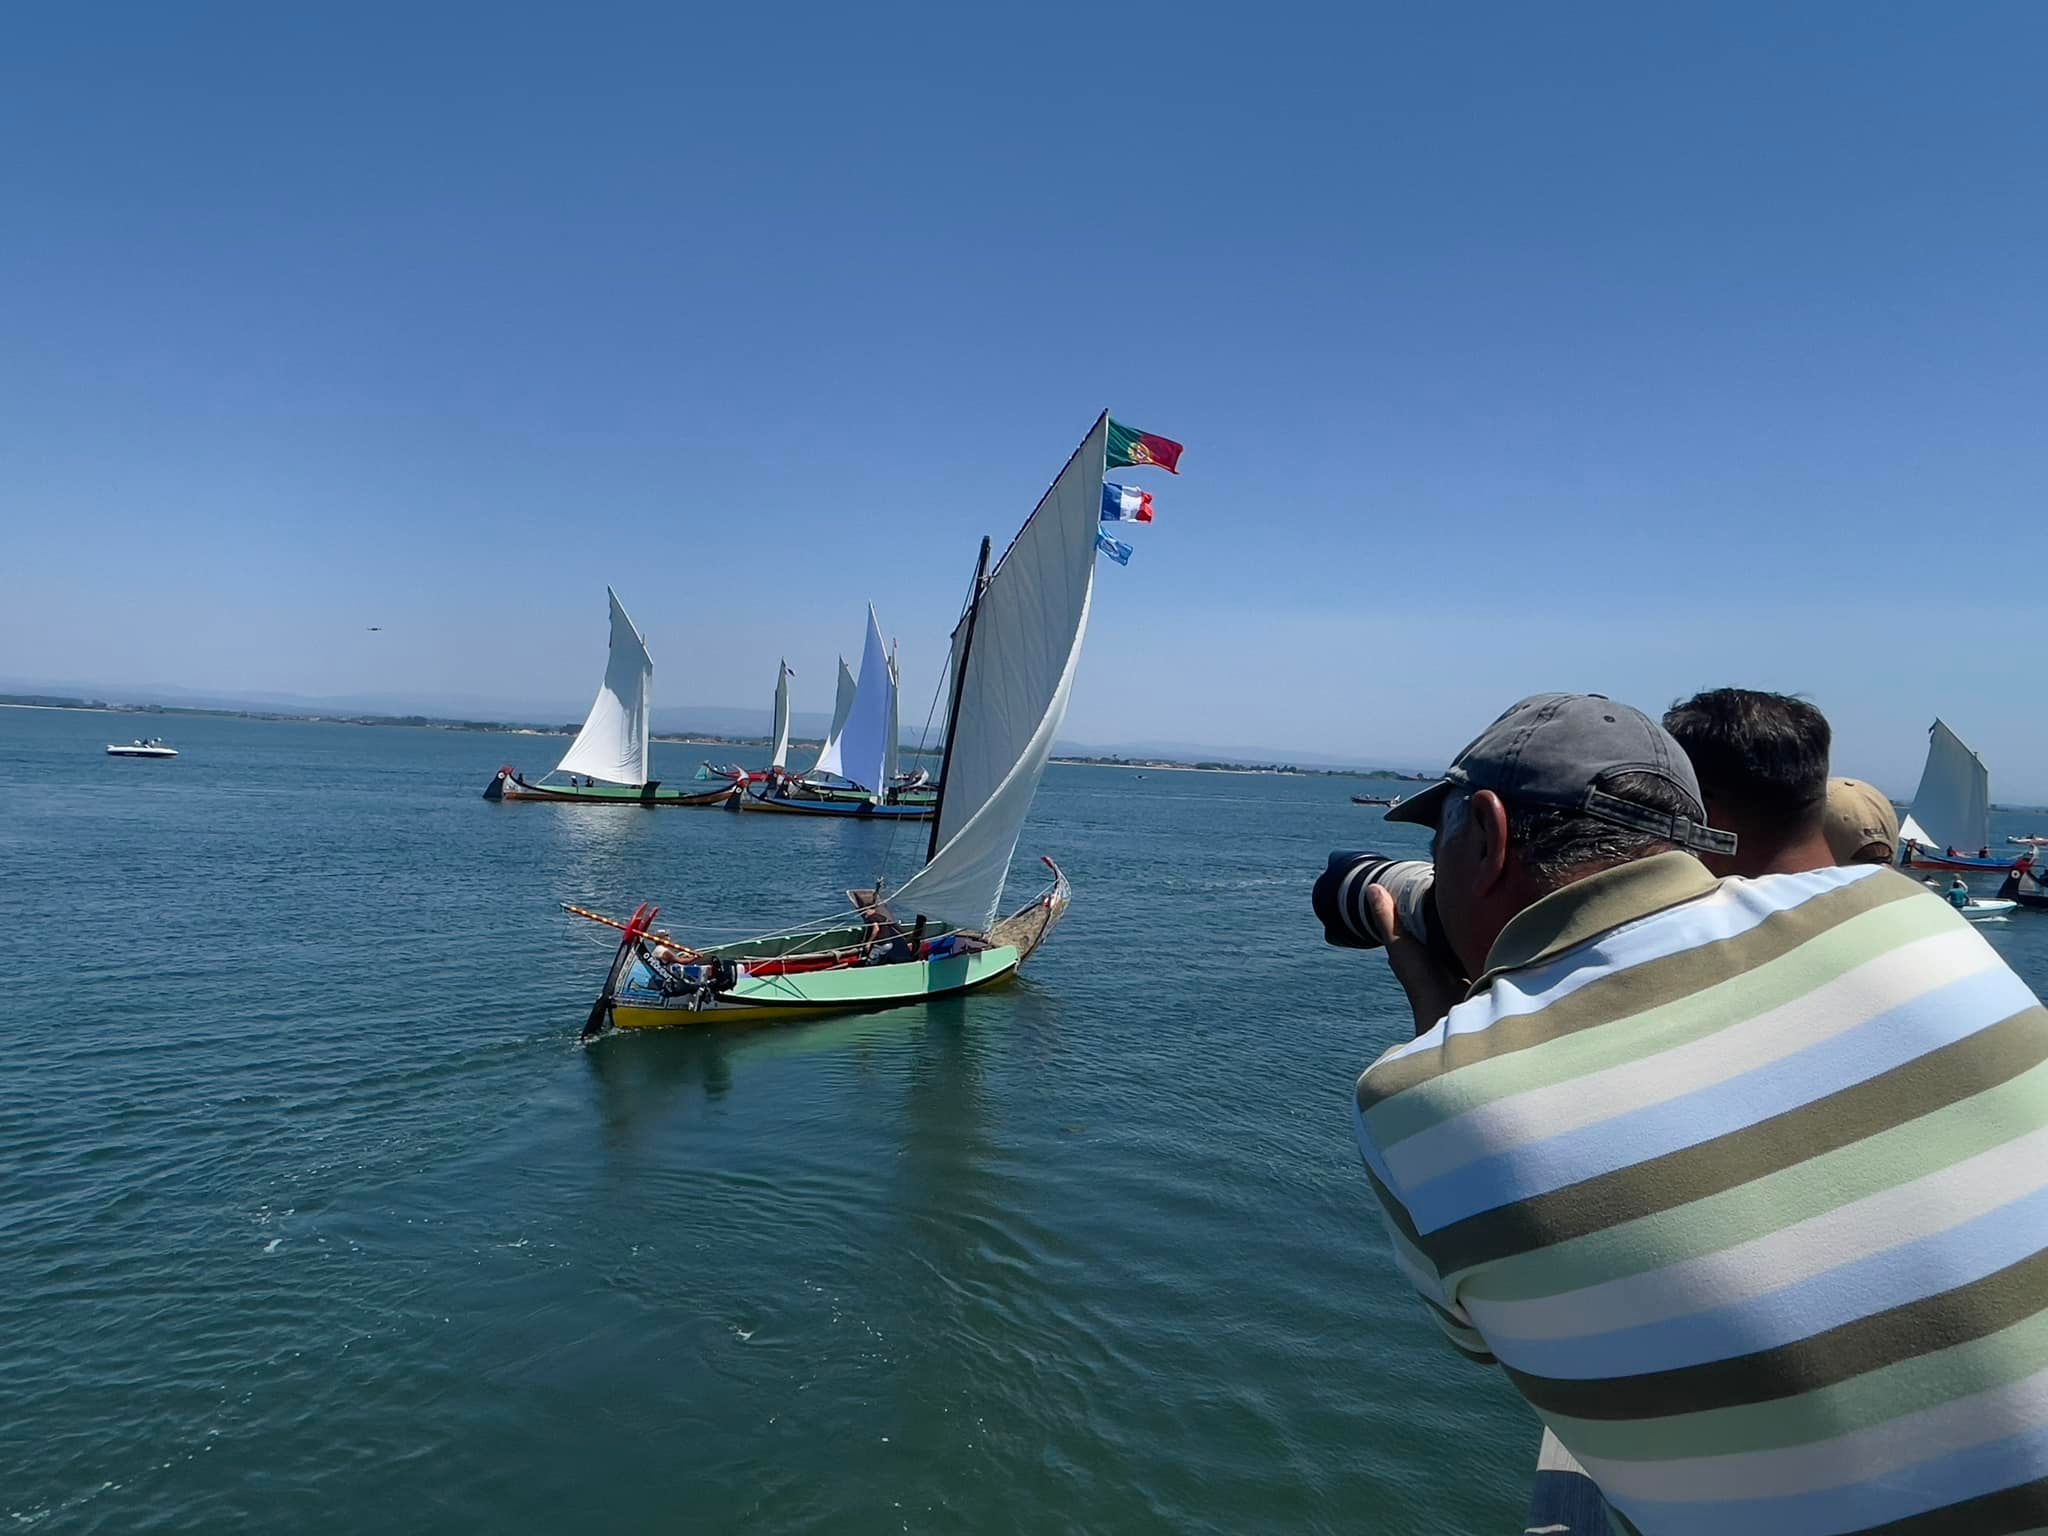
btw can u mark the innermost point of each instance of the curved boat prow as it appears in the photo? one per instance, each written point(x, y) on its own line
point(1028, 927)
point(495, 790)
point(622, 959)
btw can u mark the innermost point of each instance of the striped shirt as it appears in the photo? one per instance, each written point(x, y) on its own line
point(1745, 1184)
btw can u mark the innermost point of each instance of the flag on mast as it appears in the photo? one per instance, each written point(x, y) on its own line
point(1126, 504)
point(1116, 549)
point(1127, 445)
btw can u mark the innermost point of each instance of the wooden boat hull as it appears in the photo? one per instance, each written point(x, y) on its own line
point(634, 1000)
point(858, 810)
point(1961, 862)
point(504, 786)
point(814, 994)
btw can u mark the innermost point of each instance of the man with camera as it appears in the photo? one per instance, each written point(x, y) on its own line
point(1742, 1181)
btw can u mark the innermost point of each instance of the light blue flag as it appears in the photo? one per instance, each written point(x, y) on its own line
point(1116, 549)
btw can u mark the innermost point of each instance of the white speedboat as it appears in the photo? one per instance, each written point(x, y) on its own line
point(1983, 908)
point(154, 747)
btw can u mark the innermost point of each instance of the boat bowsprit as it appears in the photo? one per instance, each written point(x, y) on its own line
point(1016, 649)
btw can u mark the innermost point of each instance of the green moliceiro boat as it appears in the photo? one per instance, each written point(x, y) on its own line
point(1016, 647)
point(607, 763)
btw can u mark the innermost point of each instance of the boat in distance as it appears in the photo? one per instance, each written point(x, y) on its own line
point(153, 747)
point(607, 764)
point(1389, 801)
point(1017, 647)
point(1951, 810)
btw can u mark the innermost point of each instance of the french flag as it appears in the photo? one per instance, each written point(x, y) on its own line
point(1126, 504)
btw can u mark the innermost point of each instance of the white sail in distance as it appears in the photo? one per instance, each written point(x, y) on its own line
point(613, 742)
point(858, 752)
point(842, 706)
point(1953, 802)
point(1013, 684)
point(892, 743)
point(781, 718)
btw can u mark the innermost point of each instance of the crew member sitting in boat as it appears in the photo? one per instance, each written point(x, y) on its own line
point(1958, 893)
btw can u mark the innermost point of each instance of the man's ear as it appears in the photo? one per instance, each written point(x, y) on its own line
point(1488, 818)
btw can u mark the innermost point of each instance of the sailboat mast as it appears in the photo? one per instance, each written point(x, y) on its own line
point(953, 705)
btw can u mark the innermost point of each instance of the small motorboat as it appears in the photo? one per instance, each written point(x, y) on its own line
point(2029, 842)
point(1389, 801)
point(153, 747)
point(1983, 908)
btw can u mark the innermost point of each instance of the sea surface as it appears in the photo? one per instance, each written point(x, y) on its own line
point(315, 1215)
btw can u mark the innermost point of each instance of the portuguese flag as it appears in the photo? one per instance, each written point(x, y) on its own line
point(1129, 446)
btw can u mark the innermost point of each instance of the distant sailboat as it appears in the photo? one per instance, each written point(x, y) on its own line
point(1019, 648)
point(607, 763)
point(854, 773)
point(1951, 809)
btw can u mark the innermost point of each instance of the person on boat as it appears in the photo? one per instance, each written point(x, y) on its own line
point(884, 941)
point(1958, 893)
point(1860, 824)
point(1587, 1181)
point(1762, 764)
point(1984, 852)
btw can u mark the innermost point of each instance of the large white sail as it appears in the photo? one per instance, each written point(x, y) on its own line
point(842, 706)
point(613, 742)
point(860, 749)
point(1013, 685)
point(781, 718)
point(1953, 803)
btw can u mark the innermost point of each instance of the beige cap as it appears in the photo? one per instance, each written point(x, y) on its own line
point(1857, 816)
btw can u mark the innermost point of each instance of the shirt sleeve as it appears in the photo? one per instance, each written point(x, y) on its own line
point(1448, 1313)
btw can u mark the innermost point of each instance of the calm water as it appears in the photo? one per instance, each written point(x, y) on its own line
point(315, 1212)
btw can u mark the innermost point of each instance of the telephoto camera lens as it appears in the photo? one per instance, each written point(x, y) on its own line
point(1339, 898)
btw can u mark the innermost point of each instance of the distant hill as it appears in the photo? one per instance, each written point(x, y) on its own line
point(673, 720)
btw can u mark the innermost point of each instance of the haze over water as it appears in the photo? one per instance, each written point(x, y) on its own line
point(319, 1216)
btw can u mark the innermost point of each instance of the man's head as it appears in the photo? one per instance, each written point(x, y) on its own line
point(1560, 787)
point(1762, 761)
point(1860, 824)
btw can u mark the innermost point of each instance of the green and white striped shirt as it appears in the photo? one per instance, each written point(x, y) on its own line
point(1745, 1184)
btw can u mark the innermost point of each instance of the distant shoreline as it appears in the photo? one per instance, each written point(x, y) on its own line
point(519, 728)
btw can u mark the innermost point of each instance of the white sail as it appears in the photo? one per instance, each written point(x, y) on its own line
point(781, 718)
point(842, 706)
point(1013, 685)
point(892, 744)
point(1910, 831)
point(1953, 803)
point(857, 753)
point(613, 742)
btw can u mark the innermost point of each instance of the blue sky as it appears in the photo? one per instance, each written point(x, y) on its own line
point(1514, 348)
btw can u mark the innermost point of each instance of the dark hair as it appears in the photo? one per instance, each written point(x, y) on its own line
point(1765, 755)
point(1556, 846)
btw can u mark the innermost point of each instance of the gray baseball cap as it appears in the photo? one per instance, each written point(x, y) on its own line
point(1558, 750)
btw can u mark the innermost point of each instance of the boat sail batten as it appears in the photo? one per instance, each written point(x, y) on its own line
point(613, 744)
point(1012, 688)
point(1953, 802)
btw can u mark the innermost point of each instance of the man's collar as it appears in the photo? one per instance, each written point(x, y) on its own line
point(1587, 908)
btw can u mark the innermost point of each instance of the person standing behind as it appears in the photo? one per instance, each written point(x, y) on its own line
point(1741, 1181)
point(1861, 825)
point(1762, 763)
